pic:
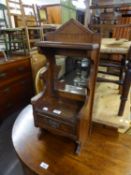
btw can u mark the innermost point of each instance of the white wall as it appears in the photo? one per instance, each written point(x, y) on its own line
point(2, 1)
point(79, 4)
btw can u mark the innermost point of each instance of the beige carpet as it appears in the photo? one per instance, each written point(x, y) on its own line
point(107, 101)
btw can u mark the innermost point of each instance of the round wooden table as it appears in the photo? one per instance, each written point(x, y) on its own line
point(46, 154)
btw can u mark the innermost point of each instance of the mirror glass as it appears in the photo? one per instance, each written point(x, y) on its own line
point(72, 74)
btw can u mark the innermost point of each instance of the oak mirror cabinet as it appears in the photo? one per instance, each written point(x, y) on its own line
point(65, 105)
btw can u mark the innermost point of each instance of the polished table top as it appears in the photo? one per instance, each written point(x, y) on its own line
point(104, 153)
point(111, 46)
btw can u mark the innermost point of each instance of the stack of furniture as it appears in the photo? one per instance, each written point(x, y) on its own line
point(65, 105)
point(12, 40)
point(15, 41)
point(25, 19)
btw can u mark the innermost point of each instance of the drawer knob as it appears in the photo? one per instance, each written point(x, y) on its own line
point(53, 124)
point(2, 74)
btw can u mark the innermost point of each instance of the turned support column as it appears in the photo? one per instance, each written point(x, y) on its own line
point(126, 89)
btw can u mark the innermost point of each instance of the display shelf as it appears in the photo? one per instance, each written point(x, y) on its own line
point(112, 6)
point(107, 17)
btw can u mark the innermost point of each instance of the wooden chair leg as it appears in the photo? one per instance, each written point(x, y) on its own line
point(126, 89)
point(122, 71)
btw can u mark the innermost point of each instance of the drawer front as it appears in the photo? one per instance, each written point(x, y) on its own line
point(15, 96)
point(21, 89)
point(10, 71)
point(50, 123)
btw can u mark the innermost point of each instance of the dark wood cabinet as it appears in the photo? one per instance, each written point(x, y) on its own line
point(16, 87)
point(65, 105)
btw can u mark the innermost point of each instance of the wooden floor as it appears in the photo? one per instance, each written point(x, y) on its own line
point(105, 153)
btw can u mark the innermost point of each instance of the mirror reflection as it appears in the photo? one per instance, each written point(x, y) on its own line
point(72, 74)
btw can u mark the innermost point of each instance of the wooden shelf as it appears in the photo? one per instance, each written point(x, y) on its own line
point(111, 17)
point(109, 26)
point(70, 45)
point(110, 6)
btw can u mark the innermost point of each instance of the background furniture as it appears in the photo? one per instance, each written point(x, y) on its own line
point(15, 41)
point(25, 18)
point(12, 40)
point(16, 87)
point(21, 14)
point(74, 102)
point(14, 7)
point(34, 34)
point(116, 68)
point(42, 15)
point(108, 19)
point(112, 20)
point(59, 13)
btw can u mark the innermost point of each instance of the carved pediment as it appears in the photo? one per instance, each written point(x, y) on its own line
point(73, 31)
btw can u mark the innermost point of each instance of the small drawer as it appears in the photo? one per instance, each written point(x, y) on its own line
point(51, 123)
